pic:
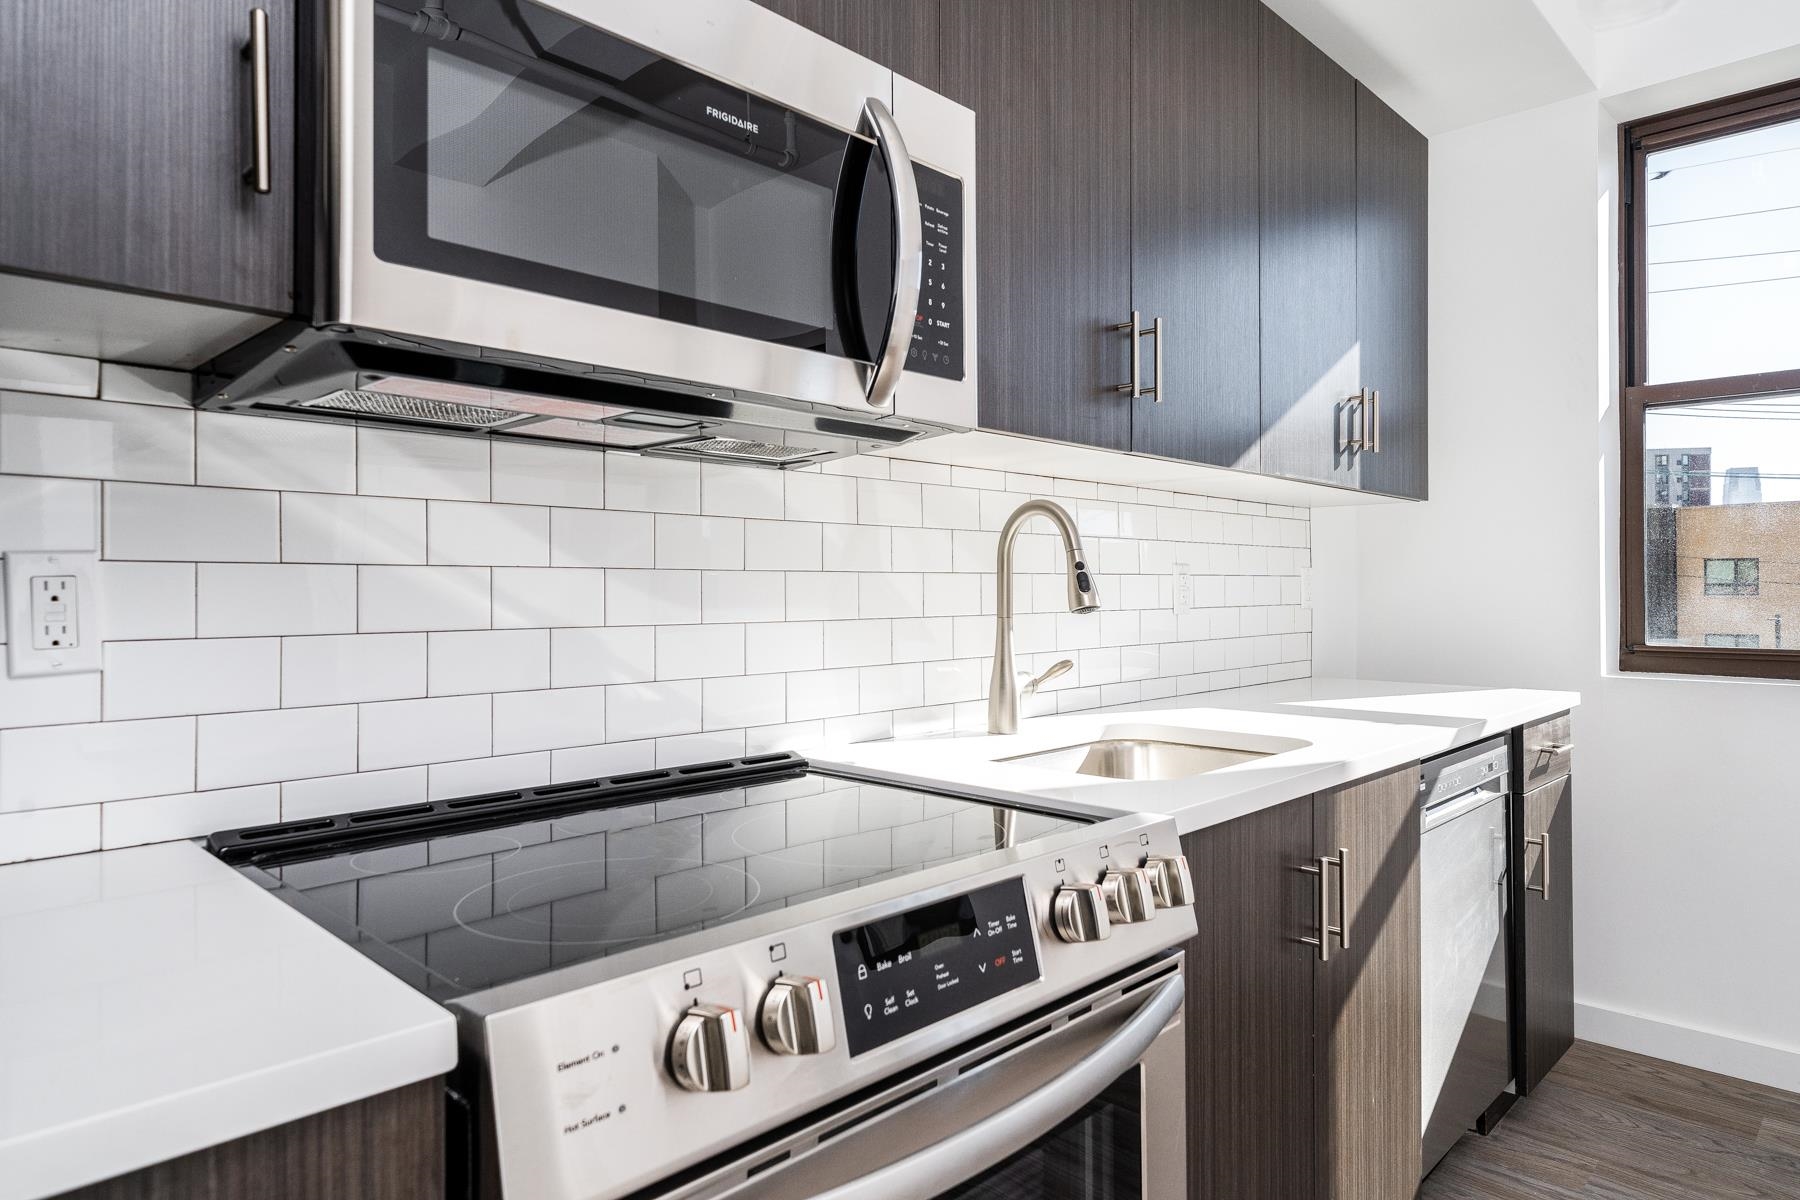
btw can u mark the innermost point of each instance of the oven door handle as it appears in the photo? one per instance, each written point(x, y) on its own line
point(971, 1150)
point(909, 255)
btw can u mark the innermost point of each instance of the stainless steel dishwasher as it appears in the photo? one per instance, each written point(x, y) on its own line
point(1466, 1054)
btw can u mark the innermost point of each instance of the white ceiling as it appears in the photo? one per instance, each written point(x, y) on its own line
point(1444, 64)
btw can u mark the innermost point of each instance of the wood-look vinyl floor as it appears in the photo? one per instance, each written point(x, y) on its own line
point(1608, 1125)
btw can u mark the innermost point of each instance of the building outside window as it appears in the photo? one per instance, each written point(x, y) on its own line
point(1710, 375)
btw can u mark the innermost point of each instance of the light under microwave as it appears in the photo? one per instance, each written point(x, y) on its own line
point(627, 225)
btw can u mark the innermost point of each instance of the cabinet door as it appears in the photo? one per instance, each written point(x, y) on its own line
point(1196, 227)
point(1309, 351)
point(1391, 292)
point(126, 130)
point(1251, 1111)
point(1367, 1032)
point(1547, 1006)
point(1050, 83)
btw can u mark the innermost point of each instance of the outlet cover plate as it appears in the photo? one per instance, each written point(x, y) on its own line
point(79, 611)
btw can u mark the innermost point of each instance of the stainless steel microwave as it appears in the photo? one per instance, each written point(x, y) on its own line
point(687, 226)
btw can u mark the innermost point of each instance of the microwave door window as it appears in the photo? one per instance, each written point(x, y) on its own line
point(532, 151)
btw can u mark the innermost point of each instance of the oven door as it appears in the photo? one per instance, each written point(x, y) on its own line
point(526, 177)
point(1086, 1102)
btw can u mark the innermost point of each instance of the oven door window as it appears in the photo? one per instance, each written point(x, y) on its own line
point(516, 146)
point(1097, 1154)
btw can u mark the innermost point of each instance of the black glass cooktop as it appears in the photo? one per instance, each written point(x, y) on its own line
point(454, 903)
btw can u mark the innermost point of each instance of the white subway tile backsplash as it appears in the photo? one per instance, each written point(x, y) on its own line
point(289, 456)
point(620, 654)
point(49, 514)
point(406, 733)
point(57, 765)
point(352, 668)
point(96, 439)
point(460, 533)
point(49, 699)
point(533, 597)
point(652, 710)
point(183, 678)
point(473, 776)
point(564, 476)
point(743, 596)
point(273, 747)
point(337, 618)
point(699, 651)
point(652, 484)
point(736, 491)
point(653, 598)
point(304, 798)
point(189, 524)
point(488, 660)
point(699, 543)
point(392, 462)
point(601, 538)
point(49, 374)
point(49, 832)
point(258, 600)
point(398, 599)
point(192, 814)
point(549, 720)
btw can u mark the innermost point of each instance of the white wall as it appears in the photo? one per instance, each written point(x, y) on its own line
point(1687, 813)
point(306, 618)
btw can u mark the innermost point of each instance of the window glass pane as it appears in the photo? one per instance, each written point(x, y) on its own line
point(1722, 534)
point(1723, 251)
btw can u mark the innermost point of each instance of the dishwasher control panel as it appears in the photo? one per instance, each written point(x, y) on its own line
point(1483, 765)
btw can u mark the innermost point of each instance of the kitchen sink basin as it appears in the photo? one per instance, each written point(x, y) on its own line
point(1138, 758)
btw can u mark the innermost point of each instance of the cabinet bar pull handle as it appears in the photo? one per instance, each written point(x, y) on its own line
point(1375, 421)
point(1555, 748)
point(1322, 868)
point(1156, 388)
point(1343, 929)
point(1136, 386)
point(257, 174)
point(1541, 888)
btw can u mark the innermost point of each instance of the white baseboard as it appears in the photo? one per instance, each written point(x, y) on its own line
point(1775, 1066)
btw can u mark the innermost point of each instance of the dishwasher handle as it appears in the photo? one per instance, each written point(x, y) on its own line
point(1452, 807)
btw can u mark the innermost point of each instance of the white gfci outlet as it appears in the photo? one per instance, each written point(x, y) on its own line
point(1184, 588)
point(52, 612)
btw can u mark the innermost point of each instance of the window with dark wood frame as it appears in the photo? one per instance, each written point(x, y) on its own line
point(1643, 395)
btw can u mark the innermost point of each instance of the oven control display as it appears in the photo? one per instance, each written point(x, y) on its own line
point(937, 343)
point(904, 972)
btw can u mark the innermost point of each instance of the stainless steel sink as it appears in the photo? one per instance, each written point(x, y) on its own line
point(1138, 758)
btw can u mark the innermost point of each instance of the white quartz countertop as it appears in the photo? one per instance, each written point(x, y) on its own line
point(153, 1002)
point(1318, 733)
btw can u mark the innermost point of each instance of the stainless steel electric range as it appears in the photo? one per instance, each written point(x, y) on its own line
point(754, 978)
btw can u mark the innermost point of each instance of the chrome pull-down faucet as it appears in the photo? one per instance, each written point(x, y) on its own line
point(1084, 597)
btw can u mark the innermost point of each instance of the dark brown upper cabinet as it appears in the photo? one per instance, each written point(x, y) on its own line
point(1310, 365)
point(1391, 189)
point(1195, 253)
point(127, 131)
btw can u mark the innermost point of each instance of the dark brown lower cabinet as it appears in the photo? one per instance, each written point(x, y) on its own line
point(1546, 1007)
point(1304, 1064)
point(388, 1147)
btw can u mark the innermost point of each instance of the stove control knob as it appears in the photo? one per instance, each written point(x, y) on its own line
point(711, 1050)
point(796, 1016)
point(1078, 911)
point(1170, 880)
point(1130, 898)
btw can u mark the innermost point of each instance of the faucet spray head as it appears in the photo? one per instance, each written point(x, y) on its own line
point(1084, 593)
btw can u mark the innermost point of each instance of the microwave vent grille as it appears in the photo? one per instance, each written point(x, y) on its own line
point(742, 451)
point(412, 408)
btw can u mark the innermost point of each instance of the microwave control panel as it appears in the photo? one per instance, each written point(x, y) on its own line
point(904, 972)
point(938, 330)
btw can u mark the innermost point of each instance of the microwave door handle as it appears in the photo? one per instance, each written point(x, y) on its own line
point(909, 255)
point(972, 1149)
